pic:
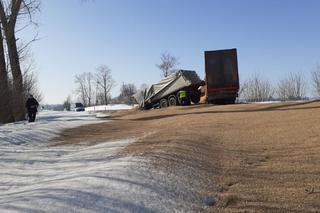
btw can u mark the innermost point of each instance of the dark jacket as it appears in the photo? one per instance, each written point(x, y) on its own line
point(32, 105)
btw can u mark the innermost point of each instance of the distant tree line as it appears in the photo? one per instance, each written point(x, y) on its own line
point(93, 88)
point(292, 87)
point(316, 80)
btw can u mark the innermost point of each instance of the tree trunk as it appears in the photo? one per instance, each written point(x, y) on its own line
point(8, 22)
point(105, 97)
point(5, 104)
point(17, 94)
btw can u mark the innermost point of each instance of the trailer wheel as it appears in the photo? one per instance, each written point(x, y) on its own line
point(172, 100)
point(188, 101)
point(195, 98)
point(163, 103)
point(232, 101)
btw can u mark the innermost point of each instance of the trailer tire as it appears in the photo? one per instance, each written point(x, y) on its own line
point(188, 101)
point(231, 101)
point(163, 103)
point(172, 100)
point(195, 98)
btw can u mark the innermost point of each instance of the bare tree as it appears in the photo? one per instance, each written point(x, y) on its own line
point(67, 103)
point(143, 86)
point(30, 77)
point(316, 80)
point(292, 87)
point(168, 62)
point(126, 92)
point(10, 11)
point(100, 98)
point(30, 85)
point(104, 82)
point(256, 89)
point(85, 85)
point(5, 103)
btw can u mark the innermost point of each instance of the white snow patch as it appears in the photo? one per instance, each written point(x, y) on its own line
point(48, 125)
point(109, 107)
point(273, 102)
point(266, 102)
point(37, 177)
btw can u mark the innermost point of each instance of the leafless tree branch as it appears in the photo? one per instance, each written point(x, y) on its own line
point(104, 83)
point(168, 62)
point(256, 89)
point(315, 75)
point(292, 87)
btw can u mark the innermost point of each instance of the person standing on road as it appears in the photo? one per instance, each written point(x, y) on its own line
point(32, 108)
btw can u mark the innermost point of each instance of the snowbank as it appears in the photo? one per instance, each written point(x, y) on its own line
point(274, 102)
point(48, 125)
point(109, 107)
point(36, 177)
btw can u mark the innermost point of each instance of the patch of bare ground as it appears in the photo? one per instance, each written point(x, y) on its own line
point(252, 157)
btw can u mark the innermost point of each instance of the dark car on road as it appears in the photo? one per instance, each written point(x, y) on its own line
point(79, 107)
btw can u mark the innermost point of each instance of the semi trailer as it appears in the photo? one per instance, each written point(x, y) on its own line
point(222, 78)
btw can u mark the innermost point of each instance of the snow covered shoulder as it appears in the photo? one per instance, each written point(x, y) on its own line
point(114, 107)
point(37, 177)
point(104, 111)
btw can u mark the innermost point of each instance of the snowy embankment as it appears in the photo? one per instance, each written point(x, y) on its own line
point(48, 125)
point(109, 107)
point(37, 177)
point(103, 111)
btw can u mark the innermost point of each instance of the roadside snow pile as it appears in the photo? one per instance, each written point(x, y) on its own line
point(48, 125)
point(109, 107)
point(266, 102)
point(62, 179)
point(274, 102)
point(37, 177)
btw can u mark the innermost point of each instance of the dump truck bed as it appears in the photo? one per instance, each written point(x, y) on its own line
point(169, 85)
point(172, 84)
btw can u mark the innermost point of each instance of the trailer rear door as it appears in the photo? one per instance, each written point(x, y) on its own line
point(221, 68)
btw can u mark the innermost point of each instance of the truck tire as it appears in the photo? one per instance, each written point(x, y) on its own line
point(230, 101)
point(195, 98)
point(163, 103)
point(188, 101)
point(172, 100)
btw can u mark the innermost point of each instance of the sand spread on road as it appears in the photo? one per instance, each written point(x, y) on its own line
point(251, 157)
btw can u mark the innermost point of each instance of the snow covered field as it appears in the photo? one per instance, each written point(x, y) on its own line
point(37, 177)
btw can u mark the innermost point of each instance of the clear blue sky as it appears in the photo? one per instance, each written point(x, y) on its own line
point(273, 37)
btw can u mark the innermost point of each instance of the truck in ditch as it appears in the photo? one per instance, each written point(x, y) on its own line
point(222, 79)
point(165, 92)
